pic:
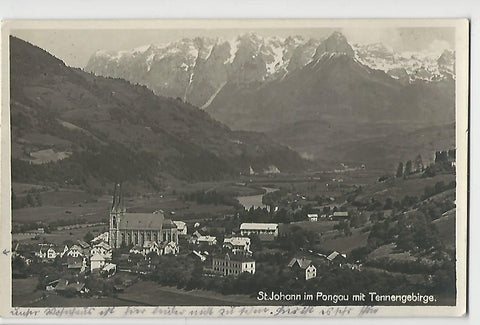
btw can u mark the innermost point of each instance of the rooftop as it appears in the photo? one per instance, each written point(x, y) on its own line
point(237, 241)
point(258, 226)
point(303, 263)
point(334, 255)
point(141, 221)
point(235, 257)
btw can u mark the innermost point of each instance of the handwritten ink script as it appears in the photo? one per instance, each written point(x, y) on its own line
point(245, 311)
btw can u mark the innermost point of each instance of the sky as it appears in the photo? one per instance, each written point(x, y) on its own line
point(75, 46)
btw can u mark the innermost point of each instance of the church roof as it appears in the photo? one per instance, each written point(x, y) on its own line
point(141, 221)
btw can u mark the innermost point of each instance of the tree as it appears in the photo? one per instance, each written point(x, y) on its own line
point(429, 171)
point(419, 163)
point(408, 168)
point(88, 237)
point(399, 170)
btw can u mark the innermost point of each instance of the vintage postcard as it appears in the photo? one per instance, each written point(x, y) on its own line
point(242, 168)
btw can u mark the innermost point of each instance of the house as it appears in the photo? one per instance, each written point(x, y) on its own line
point(338, 258)
point(312, 217)
point(247, 229)
point(103, 237)
point(209, 240)
point(83, 244)
point(64, 251)
point(137, 249)
point(197, 238)
point(42, 252)
point(96, 262)
point(340, 214)
point(85, 247)
point(237, 244)
point(51, 253)
point(151, 247)
point(181, 227)
point(46, 251)
point(147, 248)
point(170, 248)
point(75, 251)
point(103, 249)
point(233, 264)
point(303, 267)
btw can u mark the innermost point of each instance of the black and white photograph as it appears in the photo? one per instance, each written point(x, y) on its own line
point(170, 168)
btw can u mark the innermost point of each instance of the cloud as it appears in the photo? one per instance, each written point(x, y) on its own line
point(438, 46)
point(387, 36)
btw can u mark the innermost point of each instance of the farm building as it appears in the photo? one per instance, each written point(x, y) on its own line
point(259, 228)
point(340, 214)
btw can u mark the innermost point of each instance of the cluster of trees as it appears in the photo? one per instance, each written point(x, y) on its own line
point(89, 170)
point(435, 209)
point(439, 187)
point(443, 163)
point(410, 167)
point(414, 233)
point(445, 156)
point(283, 215)
point(272, 274)
point(376, 205)
point(29, 200)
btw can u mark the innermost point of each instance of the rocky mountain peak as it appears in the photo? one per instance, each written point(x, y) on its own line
point(335, 43)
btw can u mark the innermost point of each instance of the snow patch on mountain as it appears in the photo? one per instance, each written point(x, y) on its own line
point(210, 100)
point(422, 65)
point(169, 69)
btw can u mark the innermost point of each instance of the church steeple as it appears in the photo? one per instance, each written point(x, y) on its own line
point(117, 203)
point(121, 206)
point(114, 202)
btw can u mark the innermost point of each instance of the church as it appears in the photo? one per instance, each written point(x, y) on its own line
point(138, 228)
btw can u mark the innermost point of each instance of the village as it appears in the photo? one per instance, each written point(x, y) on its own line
point(284, 241)
point(97, 258)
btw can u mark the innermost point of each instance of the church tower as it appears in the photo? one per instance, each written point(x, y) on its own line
point(116, 212)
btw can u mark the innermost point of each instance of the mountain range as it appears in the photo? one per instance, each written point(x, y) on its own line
point(72, 127)
point(196, 70)
point(325, 99)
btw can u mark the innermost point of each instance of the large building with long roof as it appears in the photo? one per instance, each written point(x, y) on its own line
point(136, 228)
